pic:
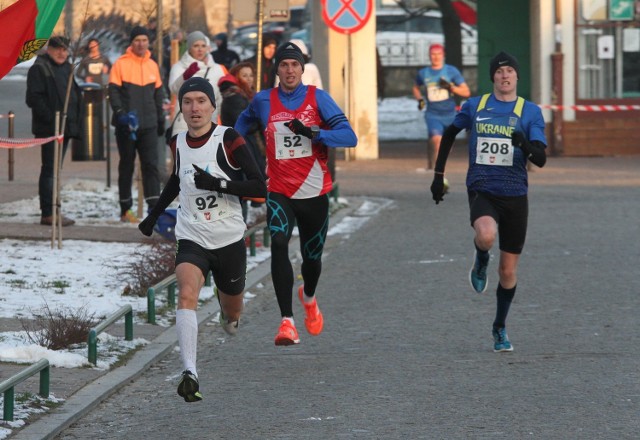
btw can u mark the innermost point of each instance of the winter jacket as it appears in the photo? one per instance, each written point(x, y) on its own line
point(135, 84)
point(46, 94)
point(215, 72)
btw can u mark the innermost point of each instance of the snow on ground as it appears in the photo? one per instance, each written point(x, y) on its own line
point(88, 202)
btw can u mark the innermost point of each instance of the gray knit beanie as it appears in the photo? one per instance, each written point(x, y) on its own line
point(196, 36)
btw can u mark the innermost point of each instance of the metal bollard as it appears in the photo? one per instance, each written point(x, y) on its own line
point(12, 160)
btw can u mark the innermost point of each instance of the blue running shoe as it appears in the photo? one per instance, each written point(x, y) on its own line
point(189, 387)
point(501, 340)
point(478, 274)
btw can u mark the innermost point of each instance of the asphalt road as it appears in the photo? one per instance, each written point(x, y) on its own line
point(406, 352)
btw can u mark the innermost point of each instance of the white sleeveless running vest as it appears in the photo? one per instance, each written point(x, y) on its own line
point(208, 218)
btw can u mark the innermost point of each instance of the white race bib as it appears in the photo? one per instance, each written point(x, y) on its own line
point(437, 94)
point(494, 151)
point(292, 146)
point(208, 207)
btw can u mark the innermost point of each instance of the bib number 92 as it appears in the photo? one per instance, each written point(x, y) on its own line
point(206, 203)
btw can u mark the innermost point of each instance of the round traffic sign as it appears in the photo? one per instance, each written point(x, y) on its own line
point(346, 16)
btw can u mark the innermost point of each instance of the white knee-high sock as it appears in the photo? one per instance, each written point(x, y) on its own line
point(187, 328)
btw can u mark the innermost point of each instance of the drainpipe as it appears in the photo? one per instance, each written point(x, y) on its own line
point(557, 58)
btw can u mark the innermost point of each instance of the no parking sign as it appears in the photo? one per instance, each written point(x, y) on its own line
point(346, 16)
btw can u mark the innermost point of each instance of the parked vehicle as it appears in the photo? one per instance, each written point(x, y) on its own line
point(403, 39)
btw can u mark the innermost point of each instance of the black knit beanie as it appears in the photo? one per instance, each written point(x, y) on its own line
point(137, 31)
point(197, 84)
point(501, 60)
point(289, 51)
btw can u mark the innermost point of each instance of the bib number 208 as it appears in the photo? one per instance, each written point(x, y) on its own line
point(494, 147)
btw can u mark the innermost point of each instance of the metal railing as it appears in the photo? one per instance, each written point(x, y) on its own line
point(169, 284)
point(251, 233)
point(92, 340)
point(8, 386)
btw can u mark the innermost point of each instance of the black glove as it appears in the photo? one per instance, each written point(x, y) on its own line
point(421, 104)
point(437, 188)
point(520, 141)
point(204, 180)
point(146, 226)
point(444, 84)
point(161, 129)
point(299, 128)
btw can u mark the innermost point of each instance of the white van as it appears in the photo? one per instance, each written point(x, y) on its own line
point(404, 40)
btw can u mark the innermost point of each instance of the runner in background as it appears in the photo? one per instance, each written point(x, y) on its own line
point(441, 83)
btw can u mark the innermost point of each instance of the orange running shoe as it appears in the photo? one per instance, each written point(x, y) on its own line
point(287, 333)
point(313, 319)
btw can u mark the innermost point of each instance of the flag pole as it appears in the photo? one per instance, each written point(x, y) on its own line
point(60, 132)
point(54, 196)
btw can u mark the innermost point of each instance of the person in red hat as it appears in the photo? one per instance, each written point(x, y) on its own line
point(237, 92)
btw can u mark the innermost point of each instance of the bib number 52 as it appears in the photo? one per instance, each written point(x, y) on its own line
point(292, 141)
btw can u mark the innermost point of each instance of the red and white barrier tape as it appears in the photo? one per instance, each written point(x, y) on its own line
point(592, 108)
point(26, 143)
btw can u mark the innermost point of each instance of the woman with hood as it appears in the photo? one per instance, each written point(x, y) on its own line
point(223, 55)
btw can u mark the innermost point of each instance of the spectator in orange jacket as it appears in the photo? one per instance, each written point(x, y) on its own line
point(136, 96)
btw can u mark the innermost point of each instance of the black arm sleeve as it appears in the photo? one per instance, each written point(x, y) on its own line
point(537, 155)
point(446, 143)
point(254, 185)
point(168, 195)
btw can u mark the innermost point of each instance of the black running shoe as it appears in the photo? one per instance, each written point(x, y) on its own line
point(189, 387)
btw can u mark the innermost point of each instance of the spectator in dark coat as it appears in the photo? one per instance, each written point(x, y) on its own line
point(47, 82)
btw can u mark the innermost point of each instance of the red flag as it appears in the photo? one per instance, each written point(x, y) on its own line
point(26, 26)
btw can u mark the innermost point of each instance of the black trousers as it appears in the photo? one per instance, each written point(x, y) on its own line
point(146, 146)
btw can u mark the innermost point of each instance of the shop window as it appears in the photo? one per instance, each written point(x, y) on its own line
point(608, 50)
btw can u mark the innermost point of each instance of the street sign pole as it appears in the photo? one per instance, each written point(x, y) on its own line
point(347, 17)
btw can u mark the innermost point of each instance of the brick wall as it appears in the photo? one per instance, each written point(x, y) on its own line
point(602, 135)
